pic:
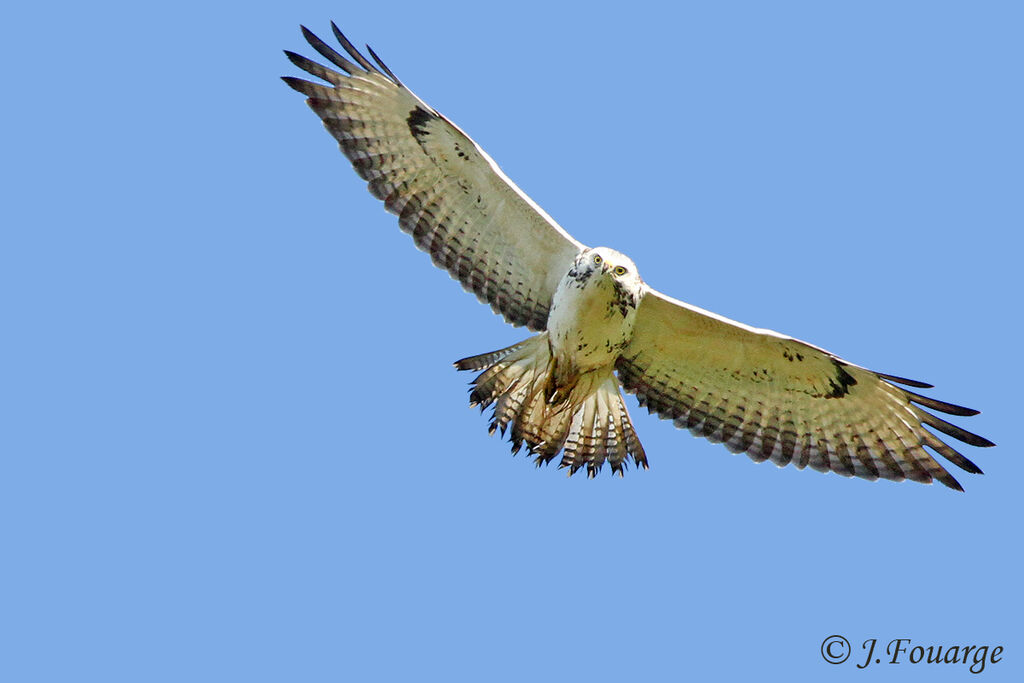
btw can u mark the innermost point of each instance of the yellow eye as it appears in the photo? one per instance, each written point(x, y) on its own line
point(619, 270)
point(598, 260)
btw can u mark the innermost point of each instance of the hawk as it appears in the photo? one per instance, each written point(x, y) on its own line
point(599, 325)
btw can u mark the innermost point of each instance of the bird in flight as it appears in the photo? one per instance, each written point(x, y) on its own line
point(599, 325)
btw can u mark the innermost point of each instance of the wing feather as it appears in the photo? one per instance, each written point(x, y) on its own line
point(448, 194)
point(776, 398)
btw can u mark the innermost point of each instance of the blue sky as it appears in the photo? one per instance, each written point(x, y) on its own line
point(234, 447)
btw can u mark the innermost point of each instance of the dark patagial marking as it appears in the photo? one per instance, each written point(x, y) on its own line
point(418, 120)
point(839, 385)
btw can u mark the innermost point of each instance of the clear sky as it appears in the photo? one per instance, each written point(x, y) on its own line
point(233, 444)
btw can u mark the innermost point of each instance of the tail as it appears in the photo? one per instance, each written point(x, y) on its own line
point(587, 421)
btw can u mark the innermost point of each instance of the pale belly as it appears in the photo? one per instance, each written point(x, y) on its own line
point(588, 327)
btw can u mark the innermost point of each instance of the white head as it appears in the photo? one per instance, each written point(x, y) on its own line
point(610, 265)
point(606, 269)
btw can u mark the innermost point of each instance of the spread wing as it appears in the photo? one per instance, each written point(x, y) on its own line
point(448, 194)
point(776, 398)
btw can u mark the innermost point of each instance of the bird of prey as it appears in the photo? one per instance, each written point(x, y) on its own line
point(599, 325)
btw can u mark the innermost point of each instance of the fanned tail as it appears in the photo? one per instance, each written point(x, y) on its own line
point(586, 421)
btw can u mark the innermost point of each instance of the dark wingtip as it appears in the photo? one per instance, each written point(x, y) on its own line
point(941, 406)
point(294, 83)
point(351, 49)
point(947, 480)
point(382, 65)
point(952, 430)
point(904, 381)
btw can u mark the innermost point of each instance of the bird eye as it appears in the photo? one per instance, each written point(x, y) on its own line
point(619, 270)
point(597, 259)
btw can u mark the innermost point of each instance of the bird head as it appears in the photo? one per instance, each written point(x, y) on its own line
point(612, 266)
